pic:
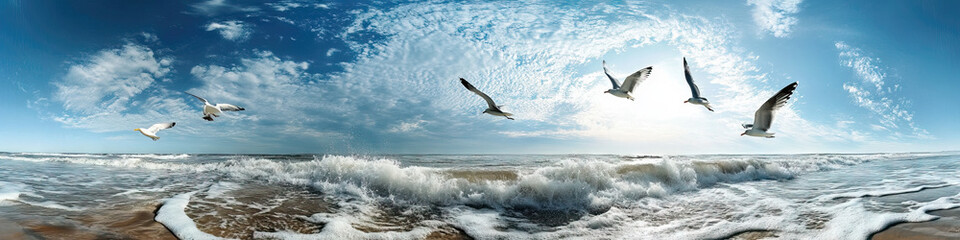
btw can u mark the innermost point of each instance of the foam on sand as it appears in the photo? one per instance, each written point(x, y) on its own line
point(172, 216)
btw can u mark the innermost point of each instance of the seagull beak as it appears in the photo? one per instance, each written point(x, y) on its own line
point(742, 134)
point(685, 101)
point(137, 129)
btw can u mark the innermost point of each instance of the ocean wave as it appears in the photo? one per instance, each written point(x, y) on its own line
point(570, 184)
point(10, 191)
point(575, 184)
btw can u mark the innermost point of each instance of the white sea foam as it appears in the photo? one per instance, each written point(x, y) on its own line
point(617, 198)
point(172, 216)
point(880, 193)
point(159, 156)
point(53, 205)
point(10, 191)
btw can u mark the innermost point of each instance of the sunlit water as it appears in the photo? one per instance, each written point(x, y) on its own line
point(823, 196)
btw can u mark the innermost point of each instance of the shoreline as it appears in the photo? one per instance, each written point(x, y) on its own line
point(945, 227)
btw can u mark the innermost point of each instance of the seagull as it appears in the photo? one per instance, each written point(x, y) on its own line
point(152, 131)
point(628, 83)
point(764, 115)
point(696, 99)
point(492, 108)
point(210, 110)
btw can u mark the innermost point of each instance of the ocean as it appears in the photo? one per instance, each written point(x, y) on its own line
point(154, 196)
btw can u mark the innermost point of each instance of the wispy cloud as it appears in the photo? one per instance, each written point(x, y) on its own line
point(216, 7)
point(406, 127)
point(873, 93)
point(775, 16)
point(107, 80)
point(231, 30)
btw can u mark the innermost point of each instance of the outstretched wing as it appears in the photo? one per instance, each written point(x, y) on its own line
point(160, 126)
point(631, 81)
point(228, 107)
point(201, 99)
point(693, 86)
point(764, 115)
point(473, 89)
point(616, 84)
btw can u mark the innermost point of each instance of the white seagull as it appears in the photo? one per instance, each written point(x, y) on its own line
point(764, 116)
point(492, 108)
point(628, 83)
point(696, 99)
point(210, 110)
point(152, 131)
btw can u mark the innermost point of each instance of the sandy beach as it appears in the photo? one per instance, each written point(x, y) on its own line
point(946, 227)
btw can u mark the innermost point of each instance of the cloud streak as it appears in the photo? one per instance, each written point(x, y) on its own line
point(108, 80)
point(775, 16)
point(231, 30)
point(872, 92)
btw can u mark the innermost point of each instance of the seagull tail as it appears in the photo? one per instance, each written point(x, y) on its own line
point(208, 118)
point(709, 107)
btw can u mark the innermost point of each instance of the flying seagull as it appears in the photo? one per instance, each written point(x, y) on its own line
point(492, 108)
point(210, 110)
point(152, 131)
point(696, 99)
point(764, 116)
point(628, 83)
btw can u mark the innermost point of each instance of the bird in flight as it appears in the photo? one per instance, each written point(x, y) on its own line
point(210, 110)
point(152, 130)
point(492, 108)
point(764, 115)
point(696, 99)
point(629, 83)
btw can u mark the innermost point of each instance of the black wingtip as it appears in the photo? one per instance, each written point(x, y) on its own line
point(208, 118)
point(241, 109)
point(173, 124)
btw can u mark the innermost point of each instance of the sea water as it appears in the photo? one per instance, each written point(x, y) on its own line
point(808, 196)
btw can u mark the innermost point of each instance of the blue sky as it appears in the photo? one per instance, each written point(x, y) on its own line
point(368, 77)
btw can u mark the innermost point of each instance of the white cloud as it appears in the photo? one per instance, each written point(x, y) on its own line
point(542, 63)
point(216, 7)
point(109, 79)
point(149, 37)
point(284, 6)
point(230, 30)
point(523, 57)
point(332, 51)
point(406, 127)
point(775, 16)
point(873, 93)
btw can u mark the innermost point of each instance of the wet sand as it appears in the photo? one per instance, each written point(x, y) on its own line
point(946, 227)
point(122, 222)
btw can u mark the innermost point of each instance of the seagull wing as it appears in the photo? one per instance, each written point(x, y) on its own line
point(764, 116)
point(631, 81)
point(228, 107)
point(693, 86)
point(201, 99)
point(470, 87)
point(614, 81)
point(160, 126)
